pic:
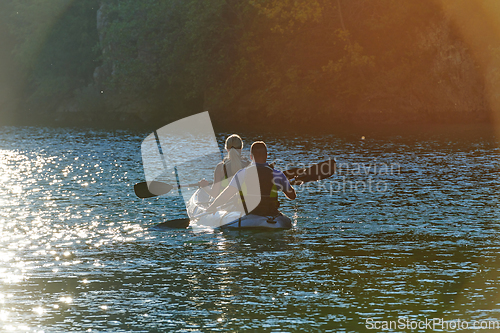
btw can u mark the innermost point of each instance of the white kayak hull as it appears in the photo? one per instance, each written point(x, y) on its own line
point(228, 219)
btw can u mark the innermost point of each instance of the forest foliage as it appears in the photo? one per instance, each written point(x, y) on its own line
point(290, 62)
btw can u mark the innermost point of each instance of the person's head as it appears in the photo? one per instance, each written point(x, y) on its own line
point(234, 144)
point(234, 141)
point(259, 152)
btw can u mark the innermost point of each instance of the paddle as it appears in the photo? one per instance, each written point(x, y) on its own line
point(314, 173)
point(174, 224)
point(297, 176)
point(182, 223)
point(155, 188)
point(142, 190)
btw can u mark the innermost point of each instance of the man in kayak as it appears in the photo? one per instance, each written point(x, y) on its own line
point(258, 186)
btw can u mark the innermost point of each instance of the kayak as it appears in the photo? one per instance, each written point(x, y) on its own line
point(229, 219)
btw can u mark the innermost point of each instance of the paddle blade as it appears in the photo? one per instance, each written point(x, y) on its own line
point(316, 172)
point(291, 173)
point(142, 190)
point(173, 224)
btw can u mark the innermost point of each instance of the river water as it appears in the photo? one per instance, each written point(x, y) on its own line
point(407, 230)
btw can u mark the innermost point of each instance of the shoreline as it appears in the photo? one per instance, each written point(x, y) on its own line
point(354, 130)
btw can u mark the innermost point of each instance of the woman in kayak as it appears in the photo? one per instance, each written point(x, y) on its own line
point(226, 169)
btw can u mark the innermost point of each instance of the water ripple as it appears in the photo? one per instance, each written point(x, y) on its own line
point(78, 253)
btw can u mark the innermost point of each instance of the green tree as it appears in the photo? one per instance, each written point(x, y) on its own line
point(56, 47)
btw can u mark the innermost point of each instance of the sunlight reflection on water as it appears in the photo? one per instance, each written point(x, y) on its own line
point(77, 252)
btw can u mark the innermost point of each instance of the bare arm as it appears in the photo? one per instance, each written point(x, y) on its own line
point(223, 198)
point(290, 194)
point(283, 184)
point(218, 177)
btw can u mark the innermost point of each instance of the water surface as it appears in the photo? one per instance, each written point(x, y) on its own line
point(77, 252)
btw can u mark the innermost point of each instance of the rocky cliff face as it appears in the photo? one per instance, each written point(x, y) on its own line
point(436, 79)
point(101, 99)
point(105, 70)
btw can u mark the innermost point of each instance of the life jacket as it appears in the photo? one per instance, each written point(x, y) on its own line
point(268, 205)
point(225, 182)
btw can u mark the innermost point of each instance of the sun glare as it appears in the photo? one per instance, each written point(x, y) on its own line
point(478, 24)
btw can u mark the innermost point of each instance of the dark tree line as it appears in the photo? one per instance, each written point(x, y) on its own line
point(292, 62)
